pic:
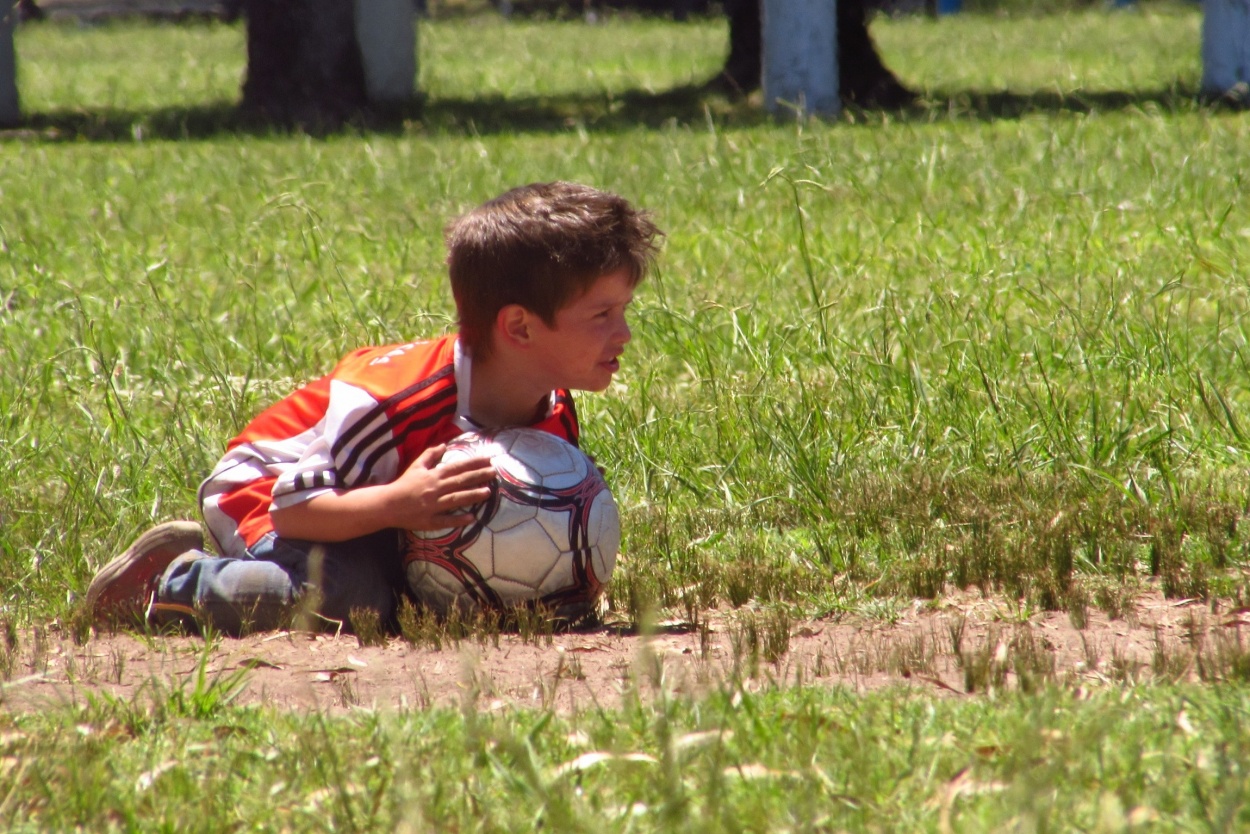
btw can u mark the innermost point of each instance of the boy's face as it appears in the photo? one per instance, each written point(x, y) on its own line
point(583, 349)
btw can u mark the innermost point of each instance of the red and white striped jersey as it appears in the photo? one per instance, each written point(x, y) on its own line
point(363, 423)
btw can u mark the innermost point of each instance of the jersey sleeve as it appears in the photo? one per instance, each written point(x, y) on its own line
point(352, 427)
point(354, 433)
point(380, 410)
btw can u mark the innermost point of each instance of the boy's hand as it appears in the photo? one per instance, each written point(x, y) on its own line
point(429, 495)
point(433, 496)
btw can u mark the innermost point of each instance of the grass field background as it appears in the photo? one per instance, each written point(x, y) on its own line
point(997, 342)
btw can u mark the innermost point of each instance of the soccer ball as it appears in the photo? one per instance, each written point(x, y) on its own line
point(548, 534)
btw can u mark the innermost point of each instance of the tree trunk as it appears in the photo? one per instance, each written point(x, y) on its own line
point(304, 67)
point(863, 79)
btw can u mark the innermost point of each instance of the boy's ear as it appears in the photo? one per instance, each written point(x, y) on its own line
point(512, 325)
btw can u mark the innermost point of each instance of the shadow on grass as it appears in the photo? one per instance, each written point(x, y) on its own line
point(693, 105)
point(996, 105)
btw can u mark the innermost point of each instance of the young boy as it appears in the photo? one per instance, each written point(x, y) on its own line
point(308, 505)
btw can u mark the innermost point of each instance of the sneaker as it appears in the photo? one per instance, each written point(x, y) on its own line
point(124, 588)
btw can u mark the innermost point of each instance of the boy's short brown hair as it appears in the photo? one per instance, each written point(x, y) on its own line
point(540, 246)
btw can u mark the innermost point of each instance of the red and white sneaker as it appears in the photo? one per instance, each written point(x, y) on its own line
point(124, 589)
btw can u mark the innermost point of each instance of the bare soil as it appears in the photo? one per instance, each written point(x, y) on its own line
point(952, 647)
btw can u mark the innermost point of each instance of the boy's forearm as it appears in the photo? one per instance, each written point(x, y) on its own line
point(334, 516)
point(426, 496)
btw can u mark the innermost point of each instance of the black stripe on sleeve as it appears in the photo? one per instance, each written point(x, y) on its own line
point(398, 437)
point(313, 480)
point(352, 438)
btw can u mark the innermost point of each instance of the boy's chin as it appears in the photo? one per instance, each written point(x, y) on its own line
point(595, 386)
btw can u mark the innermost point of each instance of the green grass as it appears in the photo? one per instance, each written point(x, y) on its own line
point(997, 342)
point(800, 760)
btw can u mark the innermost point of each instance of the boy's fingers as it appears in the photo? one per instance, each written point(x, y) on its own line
point(431, 456)
point(464, 498)
point(459, 481)
point(468, 465)
point(456, 476)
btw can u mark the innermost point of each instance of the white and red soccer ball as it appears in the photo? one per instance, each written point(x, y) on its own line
point(547, 536)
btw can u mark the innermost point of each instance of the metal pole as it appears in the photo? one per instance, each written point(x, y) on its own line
point(386, 32)
point(10, 113)
point(801, 57)
point(1226, 49)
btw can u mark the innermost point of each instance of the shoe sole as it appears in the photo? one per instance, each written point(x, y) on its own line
point(149, 555)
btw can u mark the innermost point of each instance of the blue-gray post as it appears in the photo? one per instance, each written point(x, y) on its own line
point(801, 57)
point(9, 111)
point(1226, 48)
point(386, 33)
point(949, 6)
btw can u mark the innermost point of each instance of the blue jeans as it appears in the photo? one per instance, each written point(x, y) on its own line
point(285, 582)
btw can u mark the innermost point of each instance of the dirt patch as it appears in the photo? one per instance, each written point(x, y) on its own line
point(952, 647)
